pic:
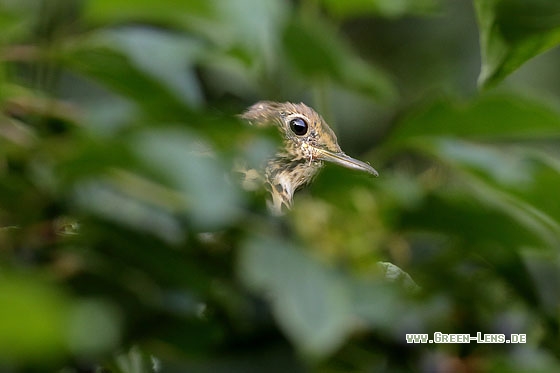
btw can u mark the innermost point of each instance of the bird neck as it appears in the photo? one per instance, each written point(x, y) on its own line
point(284, 176)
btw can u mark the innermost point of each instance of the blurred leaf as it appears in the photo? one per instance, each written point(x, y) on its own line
point(116, 200)
point(166, 57)
point(94, 328)
point(40, 323)
point(226, 24)
point(544, 268)
point(476, 232)
point(174, 11)
point(502, 170)
point(257, 31)
point(143, 264)
point(26, 333)
point(193, 167)
point(320, 307)
point(394, 274)
point(318, 53)
point(14, 134)
point(512, 32)
point(99, 59)
point(391, 310)
point(491, 206)
point(309, 300)
point(16, 17)
point(496, 117)
point(528, 175)
point(386, 8)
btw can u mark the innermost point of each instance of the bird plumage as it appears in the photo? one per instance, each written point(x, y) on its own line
point(308, 142)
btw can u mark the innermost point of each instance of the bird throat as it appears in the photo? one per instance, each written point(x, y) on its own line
point(285, 175)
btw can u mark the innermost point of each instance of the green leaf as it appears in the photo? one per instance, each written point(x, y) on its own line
point(12, 24)
point(191, 166)
point(516, 180)
point(318, 53)
point(492, 178)
point(24, 332)
point(512, 32)
point(544, 268)
point(386, 8)
point(167, 11)
point(40, 323)
point(226, 24)
point(166, 57)
point(490, 117)
point(473, 225)
point(310, 301)
point(123, 61)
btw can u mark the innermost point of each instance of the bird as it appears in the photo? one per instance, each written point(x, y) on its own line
point(308, 142)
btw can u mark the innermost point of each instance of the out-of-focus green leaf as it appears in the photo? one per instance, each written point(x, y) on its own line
point(318, 53)
point(227, 24)
point(126, 74)
point(526, 358)
point(504, 171)
point(32, 319)
point(540, 191)
point(386, 8)
point(175, 11)
point(388, 309)
point(488, 117)
point(309, 300)
point(93, 327)
point(11, 24)
point(475, 232)
point(512, 32)
point(526, 174)
point(166, 57)
point(194, 168)
point(119, 200)
point(39, 322)
point(394, 274)
point(256, 31)
point(545, 268)
point(319, 307)
point(16, 17)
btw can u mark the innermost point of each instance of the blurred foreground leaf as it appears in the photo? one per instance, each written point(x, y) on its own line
point(387, 8)
point(318, 53)
point(192, 167)
point(309, 300)
point(174, 11)
point(512, 32)
point(491, 178)
point(39, 322)
point(318, 306)
point(123, 62)
point(489, 117)
point(26, 333)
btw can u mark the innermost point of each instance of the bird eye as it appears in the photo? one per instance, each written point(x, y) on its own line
point(298, 126)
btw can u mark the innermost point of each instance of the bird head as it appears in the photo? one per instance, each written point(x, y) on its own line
point(308, 142)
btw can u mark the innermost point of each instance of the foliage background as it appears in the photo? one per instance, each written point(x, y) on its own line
point(125, 242)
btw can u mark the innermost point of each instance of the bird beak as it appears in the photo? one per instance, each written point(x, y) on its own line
point(343, 160)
